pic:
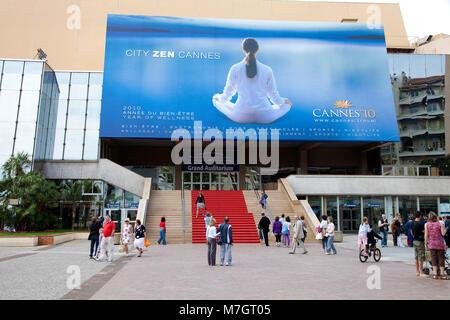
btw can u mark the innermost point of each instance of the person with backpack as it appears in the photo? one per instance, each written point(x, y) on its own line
point(264, 197)
point(225, 241)
point(264, 225)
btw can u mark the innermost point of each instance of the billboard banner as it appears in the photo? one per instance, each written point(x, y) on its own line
point(311, 81)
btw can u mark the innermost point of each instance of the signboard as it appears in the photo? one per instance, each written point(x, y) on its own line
point(311, 81)
point(349, 205)
point(373, 205)
point(209, 168)
point(113, 205)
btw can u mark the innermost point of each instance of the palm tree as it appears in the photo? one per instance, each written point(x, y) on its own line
point(16, 166)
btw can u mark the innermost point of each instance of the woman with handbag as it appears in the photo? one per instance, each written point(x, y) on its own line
point(139, 237)
point(399, 231)
point(126, 235)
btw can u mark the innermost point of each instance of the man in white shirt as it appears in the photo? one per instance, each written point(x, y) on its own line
point(298, 236)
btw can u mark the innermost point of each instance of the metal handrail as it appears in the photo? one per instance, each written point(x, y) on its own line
point(258, 199)
point(183, 213)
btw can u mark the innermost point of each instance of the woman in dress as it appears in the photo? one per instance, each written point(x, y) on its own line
point(254, 83)
point(434, 240)
point(126, 235)
point(139, 237)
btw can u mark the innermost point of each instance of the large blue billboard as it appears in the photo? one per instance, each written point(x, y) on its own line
point(312, 81)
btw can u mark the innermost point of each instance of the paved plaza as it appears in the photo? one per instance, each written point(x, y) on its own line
point(181, 272)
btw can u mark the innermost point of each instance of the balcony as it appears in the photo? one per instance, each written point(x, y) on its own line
point(412, 100)
point(411, 152)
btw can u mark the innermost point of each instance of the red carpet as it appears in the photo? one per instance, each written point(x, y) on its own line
point(222, 204)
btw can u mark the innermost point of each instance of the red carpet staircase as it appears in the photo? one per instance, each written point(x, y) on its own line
point(222, 204)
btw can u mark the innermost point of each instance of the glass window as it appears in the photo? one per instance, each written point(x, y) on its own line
point(316, 205)
point(11, 81)
point(59, 144)
point(79, 78)
point(33, 67)
point(131, 200)
point(350, 211)
point(13, 67)
point(331, 209)
point(6, 138)
point(373, 209)
point(9, 102)
point(95, 93)
point(77, 114)
point(28, 106)
point(407, 206)
point(62, 114)
point(78, 91)
point(25, 137)
point(96, 78)
point(93, 115)
point(428, 204)
point(74, 145)
point(63, 91)
point(91, 145)
point(63, 78)
point(31, 82)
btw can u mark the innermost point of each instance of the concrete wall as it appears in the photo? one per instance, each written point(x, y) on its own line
point(19, 241)
point(369, 185)
point(102, 169)
point(73, 33)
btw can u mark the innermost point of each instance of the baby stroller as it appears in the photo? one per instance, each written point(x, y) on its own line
point(427, 266)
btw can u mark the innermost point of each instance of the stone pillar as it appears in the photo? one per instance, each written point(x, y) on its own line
point(363, 163)
point(303, 161)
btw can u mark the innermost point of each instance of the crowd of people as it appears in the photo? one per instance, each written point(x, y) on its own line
point(429, 236)
point(102, 231)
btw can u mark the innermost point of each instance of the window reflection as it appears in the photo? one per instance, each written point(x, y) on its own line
point(28, 106)
point(9, 101)
point(25, 137)
point(6, 138)
point(74, 144)
point(78, 91)
point(79, 78)
point(91, 145)
point(77, 114)
point(93, 115)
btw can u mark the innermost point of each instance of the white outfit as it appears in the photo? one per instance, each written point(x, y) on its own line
point(211, 233)
point(106, 245)
point(330, 229)
point(139, 243)
point(252, 105)
point(364, 229)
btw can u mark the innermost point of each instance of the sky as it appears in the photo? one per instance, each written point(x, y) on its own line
point(421, 17)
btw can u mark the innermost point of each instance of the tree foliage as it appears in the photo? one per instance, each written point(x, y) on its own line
point(37, 194)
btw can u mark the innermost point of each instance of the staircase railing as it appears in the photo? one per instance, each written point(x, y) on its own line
point(258, 199)
point(183, 213)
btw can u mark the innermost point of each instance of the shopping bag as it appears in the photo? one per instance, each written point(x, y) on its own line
point(147, 243)
point(319, 236)
point(121, 248)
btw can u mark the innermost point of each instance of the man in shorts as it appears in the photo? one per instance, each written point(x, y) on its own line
point(418, 233)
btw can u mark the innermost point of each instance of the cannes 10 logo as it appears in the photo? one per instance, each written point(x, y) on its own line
point(213, 153)
point(343, 110)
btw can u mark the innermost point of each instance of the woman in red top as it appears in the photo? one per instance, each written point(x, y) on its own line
point(434, 241)
point(162, 231)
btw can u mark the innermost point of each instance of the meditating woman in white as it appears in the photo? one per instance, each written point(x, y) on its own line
point(254, 83)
